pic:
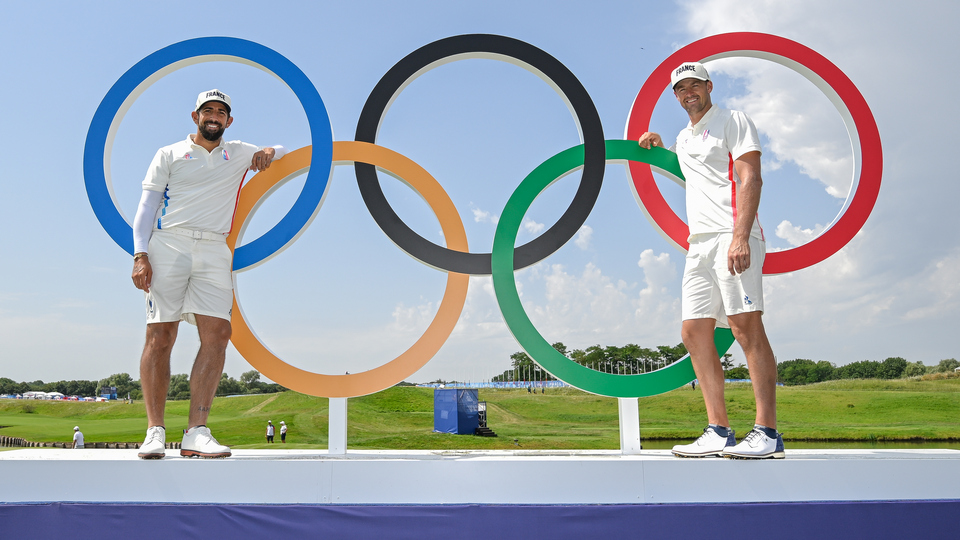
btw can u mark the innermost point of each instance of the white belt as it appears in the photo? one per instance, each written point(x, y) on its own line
point(199, 235)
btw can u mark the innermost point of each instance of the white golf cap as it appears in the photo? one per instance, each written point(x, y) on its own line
point(689, 70)
point(212, 95)
point(281, 421)
point(76, 428)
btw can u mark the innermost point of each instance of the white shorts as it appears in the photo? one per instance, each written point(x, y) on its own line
point(709, 291)
point(190, 276)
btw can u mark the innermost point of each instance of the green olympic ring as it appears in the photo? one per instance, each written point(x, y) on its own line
point(505, 286)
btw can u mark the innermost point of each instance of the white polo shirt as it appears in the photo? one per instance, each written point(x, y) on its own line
point(706, 152)
point(200, 188)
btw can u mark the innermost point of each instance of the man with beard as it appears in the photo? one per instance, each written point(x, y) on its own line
point(719, 154)
point(182, 263)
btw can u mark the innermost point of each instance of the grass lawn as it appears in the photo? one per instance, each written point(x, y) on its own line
point(401, 418)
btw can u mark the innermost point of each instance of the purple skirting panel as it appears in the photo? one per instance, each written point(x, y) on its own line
point(806, 520)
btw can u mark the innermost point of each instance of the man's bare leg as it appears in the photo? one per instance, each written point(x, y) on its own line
point(208, 366)
point(750, 334)
point(697, 337)
point(155, 369)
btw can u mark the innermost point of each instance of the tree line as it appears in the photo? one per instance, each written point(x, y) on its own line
point(627, 360)
point(249, 383)
point(632, 359)
point(802, 371)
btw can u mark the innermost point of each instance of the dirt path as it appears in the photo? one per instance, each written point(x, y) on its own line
point(263, 404)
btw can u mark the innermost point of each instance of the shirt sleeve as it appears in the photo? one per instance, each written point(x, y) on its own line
point(742, 135)
point(158, 174)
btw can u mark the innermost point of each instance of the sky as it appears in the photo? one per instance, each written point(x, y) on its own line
point(343, 297)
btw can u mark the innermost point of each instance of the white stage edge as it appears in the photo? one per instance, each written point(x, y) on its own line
point(475, 477)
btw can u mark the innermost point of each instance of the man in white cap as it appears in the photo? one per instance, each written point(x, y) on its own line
point(719, 154)
point(283, 432)
point(77, 437)
point(182, 263)
point(270, 431)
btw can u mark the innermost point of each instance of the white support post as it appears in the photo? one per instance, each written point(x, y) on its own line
point(629, 425)
point(337, 436)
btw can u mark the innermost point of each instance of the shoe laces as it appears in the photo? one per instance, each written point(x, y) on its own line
point(155, 433)
point(754, 436)
point(703, 437)
point(203, 432)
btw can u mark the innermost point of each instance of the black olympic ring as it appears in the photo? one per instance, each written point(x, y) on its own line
point(537, 61)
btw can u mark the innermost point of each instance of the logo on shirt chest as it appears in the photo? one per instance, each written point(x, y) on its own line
point(702, 145)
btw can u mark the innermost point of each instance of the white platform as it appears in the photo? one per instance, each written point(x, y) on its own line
point(476, 477)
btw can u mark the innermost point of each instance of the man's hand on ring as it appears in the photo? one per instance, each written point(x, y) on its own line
point(649, 139)
point(262, 159)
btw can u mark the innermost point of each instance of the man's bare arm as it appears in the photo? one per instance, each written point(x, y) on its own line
point(748, 202)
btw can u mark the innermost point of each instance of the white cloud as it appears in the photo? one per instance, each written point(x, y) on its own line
point(582, 307)
point(796, 235)
point(658, 300)
point(658, 270)
point(481, 316)
point(482, 216)
point(584, 236)
point(532, 227)
point(591, 307)
point(937, 294)
point(412, 318)
point(801, 125)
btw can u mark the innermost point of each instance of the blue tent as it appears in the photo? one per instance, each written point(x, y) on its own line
point(455, 411)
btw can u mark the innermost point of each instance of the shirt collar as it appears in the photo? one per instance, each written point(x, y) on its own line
point(703, 121)
point(191, 143)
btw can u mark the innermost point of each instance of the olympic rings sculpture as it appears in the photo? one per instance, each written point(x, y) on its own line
point(455, 258)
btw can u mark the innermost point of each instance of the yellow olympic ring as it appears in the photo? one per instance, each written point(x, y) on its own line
point(454, 296)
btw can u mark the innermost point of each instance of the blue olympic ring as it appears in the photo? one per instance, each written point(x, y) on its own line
point(131, 84)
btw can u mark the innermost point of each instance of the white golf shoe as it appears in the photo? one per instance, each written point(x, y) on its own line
point(757, 445)
point(198, 442)
point(154, 445)
point(707, 445)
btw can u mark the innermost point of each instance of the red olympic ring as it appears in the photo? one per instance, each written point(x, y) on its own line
point(860, 123)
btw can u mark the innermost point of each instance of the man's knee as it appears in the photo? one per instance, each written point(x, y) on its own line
point(214, 332)
point(747, 328)
point(161, 335)
point(222, 333)
point(695, 331)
